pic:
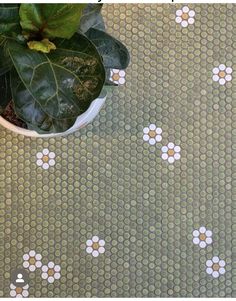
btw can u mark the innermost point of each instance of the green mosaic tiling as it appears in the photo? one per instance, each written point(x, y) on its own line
point(161, 222)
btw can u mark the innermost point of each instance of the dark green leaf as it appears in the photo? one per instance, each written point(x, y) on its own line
point(91, 17)
point(51, 20)
point(63, 82)
point(30, 111)
point(114, 53)
point(9, 19)
point(50, 125)
point(5, 91)
point(5, 61)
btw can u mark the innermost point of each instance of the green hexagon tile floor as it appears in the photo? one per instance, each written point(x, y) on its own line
point(142, 202)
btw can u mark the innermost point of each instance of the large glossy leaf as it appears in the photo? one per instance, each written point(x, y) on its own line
point(63, 82)
point(114, 53)
point(9, 19)
point(29, 110)
point(51, 20)
point(5, 61)
point(91, 17)
point(5, 91)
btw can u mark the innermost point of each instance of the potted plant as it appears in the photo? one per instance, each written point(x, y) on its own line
point(55, 63)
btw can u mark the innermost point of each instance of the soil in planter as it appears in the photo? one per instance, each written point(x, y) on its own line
point(10, 115)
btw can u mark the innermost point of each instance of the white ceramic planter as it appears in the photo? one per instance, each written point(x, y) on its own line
point(80, 122)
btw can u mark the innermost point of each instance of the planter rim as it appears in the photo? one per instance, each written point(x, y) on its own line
point(80, 122)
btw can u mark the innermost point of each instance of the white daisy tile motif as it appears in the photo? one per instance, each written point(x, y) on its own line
point(32, 261)
point(95, 246)
point(152, 134)
point(185, 16)
point(19, 292)
point(170, 152)
point(215, 267)
point(202, 237)
point(45, 158)
point(51, 272)
point(117, 76)
point(222, 74)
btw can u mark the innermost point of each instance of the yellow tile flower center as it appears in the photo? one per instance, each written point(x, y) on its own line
point(95, 245)
point(45, 159)
point(116, 76)
point(51, 272)
point(32, 260)
point(202, 236)
point(222, 74)
point(19, 290)
point(152, 134)
point(185, 16)
point(171, 152)
point(216, 267)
